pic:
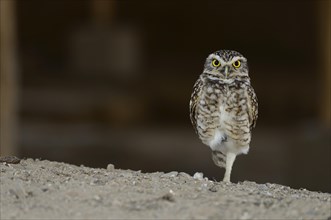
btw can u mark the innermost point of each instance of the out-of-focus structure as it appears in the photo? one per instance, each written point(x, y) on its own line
point(324, 12)
point(95, 82)
point(8, 79)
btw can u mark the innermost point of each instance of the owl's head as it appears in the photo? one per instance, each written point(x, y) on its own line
point(226, 65)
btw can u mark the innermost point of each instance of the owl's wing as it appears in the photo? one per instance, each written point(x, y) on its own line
point(252, 107)
point(193, 102)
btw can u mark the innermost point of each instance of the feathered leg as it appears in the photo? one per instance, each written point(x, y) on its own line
point(230, 158)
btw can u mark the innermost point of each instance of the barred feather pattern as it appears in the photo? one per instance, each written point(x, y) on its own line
point(236, 102)
point(224, 107)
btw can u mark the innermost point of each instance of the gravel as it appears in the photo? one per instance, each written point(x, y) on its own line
point(41, 189)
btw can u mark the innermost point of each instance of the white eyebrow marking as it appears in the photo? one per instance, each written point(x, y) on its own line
point(235, 58)
point(214, 56)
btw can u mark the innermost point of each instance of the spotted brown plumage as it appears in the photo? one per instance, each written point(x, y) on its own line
point(223, 107)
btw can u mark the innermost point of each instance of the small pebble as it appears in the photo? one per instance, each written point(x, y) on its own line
point(245, 216)
point(97, 198)
point(9, 159)
point(198, 176)
point(183, 174)
point(213, 188)
point(204, 185)
point(126, 175)
point(110, 167)
point(168, 197)
point(171, 174)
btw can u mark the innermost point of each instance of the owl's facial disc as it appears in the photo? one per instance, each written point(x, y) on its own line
point(219, 67)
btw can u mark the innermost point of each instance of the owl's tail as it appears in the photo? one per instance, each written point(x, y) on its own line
point(219, 158)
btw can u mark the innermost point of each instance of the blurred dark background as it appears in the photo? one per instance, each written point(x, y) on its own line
point(95, 82)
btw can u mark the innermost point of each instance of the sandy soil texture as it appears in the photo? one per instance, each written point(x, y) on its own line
point(34, 189)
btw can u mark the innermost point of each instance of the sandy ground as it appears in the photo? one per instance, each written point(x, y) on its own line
point(34, 189)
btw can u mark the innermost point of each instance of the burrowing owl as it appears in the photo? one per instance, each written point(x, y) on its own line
point(223, 107)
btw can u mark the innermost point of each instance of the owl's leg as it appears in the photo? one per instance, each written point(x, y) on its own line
point(230, 158)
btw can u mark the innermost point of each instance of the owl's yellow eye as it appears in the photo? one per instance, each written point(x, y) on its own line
point(236, 64)
point(216, 63)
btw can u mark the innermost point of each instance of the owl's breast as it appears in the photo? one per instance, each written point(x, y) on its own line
point(207, 113)
point(233, 116)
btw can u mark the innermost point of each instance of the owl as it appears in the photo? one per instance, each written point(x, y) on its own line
point(224, 108)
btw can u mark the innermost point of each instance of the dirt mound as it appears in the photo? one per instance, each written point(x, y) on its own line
point(52, 190)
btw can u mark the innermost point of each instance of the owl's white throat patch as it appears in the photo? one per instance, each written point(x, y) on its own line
point(228, 81)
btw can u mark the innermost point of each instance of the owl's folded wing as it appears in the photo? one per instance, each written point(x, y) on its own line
point(252, 107)
point(193, 102)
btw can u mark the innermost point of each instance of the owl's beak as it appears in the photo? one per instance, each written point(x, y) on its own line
point(226, 71)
